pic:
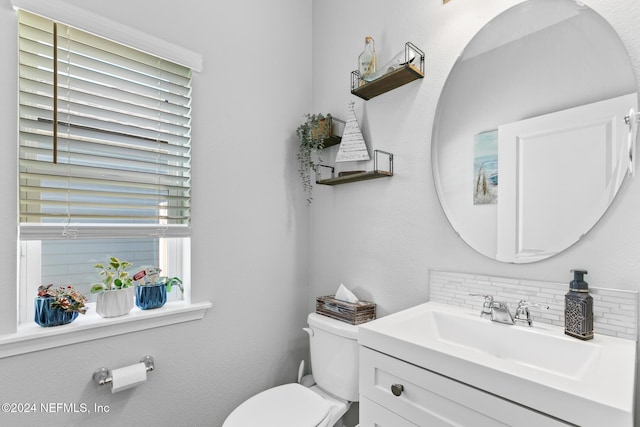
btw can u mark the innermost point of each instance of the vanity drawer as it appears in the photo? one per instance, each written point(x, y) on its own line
point(431, 400)
point(374, 415)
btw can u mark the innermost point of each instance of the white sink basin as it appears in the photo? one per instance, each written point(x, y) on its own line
point(588, 383)
point(521, 345)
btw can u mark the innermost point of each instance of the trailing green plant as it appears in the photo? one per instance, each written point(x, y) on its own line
point(114, 276)
point(311, 135)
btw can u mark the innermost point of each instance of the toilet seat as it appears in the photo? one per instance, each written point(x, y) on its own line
point(289, 405)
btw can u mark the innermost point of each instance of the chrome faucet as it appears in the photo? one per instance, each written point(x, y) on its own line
point(522, 312)
point(500, 313)
point(496, 310)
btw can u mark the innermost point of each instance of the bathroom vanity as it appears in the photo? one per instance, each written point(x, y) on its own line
point(431, 399)
point(440, 365)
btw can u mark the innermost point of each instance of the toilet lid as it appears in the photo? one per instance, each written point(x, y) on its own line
point(289, 405)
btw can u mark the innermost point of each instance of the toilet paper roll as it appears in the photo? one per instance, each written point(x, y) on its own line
point(128, 377)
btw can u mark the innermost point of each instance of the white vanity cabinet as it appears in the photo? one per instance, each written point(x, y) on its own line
point(427, 399)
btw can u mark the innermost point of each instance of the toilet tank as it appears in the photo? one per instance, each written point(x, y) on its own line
point(334, 356)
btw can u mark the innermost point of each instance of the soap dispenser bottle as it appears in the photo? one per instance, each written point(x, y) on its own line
point(578, 308)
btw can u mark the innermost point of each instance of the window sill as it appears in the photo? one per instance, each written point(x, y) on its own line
point(31, 337)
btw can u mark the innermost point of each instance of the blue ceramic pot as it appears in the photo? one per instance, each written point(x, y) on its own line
point(151, 296)
point(45, 315)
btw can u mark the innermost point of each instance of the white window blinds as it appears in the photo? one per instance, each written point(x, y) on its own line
point(116, 149)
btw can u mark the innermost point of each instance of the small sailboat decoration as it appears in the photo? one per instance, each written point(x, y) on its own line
point(352, 146)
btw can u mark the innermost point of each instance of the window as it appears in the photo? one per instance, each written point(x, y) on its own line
point(104, 157)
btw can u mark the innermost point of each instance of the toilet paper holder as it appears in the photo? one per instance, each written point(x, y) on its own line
point(103, 376)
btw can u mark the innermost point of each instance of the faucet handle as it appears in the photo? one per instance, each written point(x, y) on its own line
point(486, 306)
point(525, 303)
point(486, 297)
point(522, 312)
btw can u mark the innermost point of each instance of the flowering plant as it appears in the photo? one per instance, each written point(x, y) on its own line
point(64, 298)
point(115, 275)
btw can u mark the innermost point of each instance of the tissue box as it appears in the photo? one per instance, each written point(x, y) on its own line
point(353, 313)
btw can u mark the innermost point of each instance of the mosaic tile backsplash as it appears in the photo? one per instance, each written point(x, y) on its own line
point(615, 311)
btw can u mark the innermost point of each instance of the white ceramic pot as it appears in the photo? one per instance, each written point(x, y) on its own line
point(116, 302)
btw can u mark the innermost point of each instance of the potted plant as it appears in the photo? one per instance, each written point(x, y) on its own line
point(115, 293)
point(58, 305)
point(151, 290)
point(311, 135)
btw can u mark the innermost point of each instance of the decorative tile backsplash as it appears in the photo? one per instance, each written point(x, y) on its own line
point(615, 311)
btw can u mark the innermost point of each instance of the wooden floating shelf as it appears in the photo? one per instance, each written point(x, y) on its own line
point(389, 81)
point(410, 71)
point(332, 140)
point(354, 176)
point(362, 176)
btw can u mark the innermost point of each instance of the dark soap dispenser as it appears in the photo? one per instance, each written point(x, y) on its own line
point(578, 308)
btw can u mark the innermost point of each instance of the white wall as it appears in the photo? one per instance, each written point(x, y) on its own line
point(381, 237)
point(250, 225)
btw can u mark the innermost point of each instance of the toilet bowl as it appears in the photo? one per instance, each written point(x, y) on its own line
point(334, 358)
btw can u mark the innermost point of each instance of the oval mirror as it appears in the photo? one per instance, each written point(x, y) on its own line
point(530, 144)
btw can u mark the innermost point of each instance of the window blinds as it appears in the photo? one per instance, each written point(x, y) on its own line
point(122, 152)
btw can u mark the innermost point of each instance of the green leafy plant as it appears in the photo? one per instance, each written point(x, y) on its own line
point(174, 281)
point(311, 135)
point(114, 276)
point(64, 298)
point(150, 276)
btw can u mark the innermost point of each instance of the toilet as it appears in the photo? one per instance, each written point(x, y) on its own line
point(334, 361)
